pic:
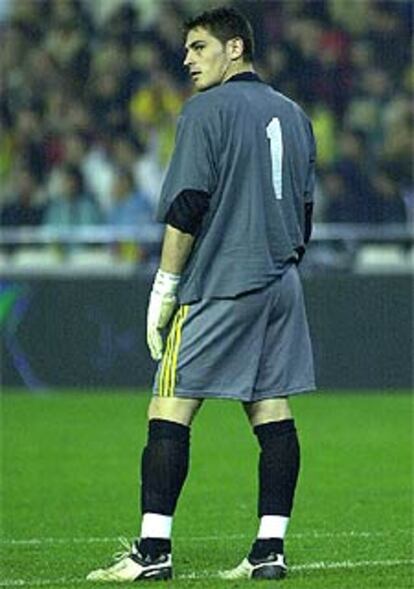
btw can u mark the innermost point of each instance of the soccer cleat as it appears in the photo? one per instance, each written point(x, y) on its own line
point(132, 566)
point(273, 567)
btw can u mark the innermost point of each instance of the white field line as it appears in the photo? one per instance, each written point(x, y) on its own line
point(213, 538)
point(349, 564)
point(309, 566)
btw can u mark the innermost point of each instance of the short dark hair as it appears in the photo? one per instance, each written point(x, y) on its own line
point(224, 24)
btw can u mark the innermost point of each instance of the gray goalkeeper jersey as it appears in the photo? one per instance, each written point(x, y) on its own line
point(252, 150)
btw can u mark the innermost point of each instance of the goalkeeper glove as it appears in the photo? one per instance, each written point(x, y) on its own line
point(161, 307)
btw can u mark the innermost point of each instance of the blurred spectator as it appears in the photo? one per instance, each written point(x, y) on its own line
point(74, 147)
point(67, 41)
point(23, 210)
point(324, 127)
point(303, 38)
point(386, 31)
point(154, 109)
point(30, 146)
point(338, 209)
point(372, 96)
point(131, 207)
point(352, 196)
point(276, 69)
point(128, 153)
point(397, 150)
point(347, 184)
point(353, 163)
point(156, 104)
point(122, 25)
point(333, 53)
point(98, 85)
point(72, 206)
point(98, 169)
point(166, 35)
point(109, 106)
point(389, 206)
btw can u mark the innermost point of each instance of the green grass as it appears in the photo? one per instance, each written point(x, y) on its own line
point(70, 488)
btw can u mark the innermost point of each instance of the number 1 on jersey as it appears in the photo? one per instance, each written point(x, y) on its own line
point(274, 134)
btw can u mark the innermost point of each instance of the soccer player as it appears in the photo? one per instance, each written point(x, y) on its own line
point(237, 204)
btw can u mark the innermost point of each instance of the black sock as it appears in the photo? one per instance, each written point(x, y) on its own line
point(278, 467)
point(164, 466)
point(262, 548)
point(152, 548)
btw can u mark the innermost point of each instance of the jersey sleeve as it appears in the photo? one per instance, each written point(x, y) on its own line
point(193, 163)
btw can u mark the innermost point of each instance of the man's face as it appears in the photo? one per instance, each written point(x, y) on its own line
point(207, 59)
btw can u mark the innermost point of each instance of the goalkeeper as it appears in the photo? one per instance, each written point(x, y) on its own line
point(226, 317)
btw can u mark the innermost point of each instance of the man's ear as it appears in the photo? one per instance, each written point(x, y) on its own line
point(235, 48)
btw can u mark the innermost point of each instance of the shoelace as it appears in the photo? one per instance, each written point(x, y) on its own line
point(127, 549)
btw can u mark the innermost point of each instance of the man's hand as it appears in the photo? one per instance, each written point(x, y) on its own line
point(161, 306)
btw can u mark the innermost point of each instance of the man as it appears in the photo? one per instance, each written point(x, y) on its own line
point(237, 204)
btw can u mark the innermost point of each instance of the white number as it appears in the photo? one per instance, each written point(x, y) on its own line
point(274, 133)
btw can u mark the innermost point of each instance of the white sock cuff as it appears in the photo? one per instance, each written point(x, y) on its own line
point(272, 526)
point(155, 525)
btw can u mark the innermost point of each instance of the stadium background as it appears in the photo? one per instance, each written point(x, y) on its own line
point(89, 94)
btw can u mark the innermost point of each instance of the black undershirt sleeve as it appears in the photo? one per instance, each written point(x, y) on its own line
point(308, 221)
point(300, 251)
point(187, 210)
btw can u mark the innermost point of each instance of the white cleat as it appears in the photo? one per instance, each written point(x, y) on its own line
point(273, 567)
point(132, 566)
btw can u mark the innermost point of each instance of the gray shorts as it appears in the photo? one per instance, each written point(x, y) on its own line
point(255, 346)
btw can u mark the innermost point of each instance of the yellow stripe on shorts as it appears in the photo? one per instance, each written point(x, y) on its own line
point(166, 360)
point(168, 373)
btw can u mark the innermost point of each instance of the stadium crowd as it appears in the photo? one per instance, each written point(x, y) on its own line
point(90, 92)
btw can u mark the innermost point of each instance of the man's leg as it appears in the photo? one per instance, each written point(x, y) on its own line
point(164, 469)
point(165, 461)
point(274, 427)
point(279, 463)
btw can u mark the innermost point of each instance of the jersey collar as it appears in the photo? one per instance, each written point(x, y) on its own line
point(245, 77)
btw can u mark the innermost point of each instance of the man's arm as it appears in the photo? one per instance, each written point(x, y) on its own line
point(183, 218)
point(176, 248)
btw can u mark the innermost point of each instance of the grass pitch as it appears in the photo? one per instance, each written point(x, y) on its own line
point(70, 471)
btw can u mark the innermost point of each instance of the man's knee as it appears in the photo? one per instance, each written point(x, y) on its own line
point(174, 409)
point(268, 410)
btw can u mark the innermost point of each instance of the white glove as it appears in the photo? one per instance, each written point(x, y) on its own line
point(161, 306)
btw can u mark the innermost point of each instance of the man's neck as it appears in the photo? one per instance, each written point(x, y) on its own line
point(240, 68)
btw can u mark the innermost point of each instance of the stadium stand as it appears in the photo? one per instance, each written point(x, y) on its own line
point(95, 88)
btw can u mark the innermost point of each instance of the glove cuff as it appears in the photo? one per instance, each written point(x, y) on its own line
point(166, 283)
